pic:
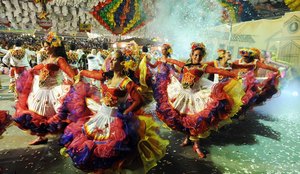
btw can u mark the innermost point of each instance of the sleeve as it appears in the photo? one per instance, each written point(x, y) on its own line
point(6, 58)
point(135, 96)
point(37, 68)
point(95, 74)
point(212, 63)
point(264, 66)
point(176, 62)
point(63, 65)
point(210, 69)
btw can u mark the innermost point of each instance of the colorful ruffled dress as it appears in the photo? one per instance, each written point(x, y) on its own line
point(5, 120)
point(41, 93)
point(108, 139)
point(195, 105)
point(257, 90)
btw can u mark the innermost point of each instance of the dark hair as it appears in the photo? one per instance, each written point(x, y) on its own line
point(145, 49)
point(202, 50)
point(249, 59)
point(72, 46)
point(60, 51)
point(121, 56)
point(10, 44)
point(105, 46)
point(18, 43)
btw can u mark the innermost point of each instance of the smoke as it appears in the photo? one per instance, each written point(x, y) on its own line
point(181, 22)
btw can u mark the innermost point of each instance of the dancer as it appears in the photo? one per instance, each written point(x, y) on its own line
point(118, 132)
point(192, 105)
point(41, 92)
point(222, 62)
point(256, 89)
point(18, 61)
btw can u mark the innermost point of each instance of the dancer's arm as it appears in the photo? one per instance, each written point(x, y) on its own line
point(64, 66)
point(264, 66)
point(212, 70)
point(135, 96)
point(95, 74)
point(176, 62)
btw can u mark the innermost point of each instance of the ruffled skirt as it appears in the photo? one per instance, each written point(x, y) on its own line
point(199, 109)
point(108, 139)
point(38, 108)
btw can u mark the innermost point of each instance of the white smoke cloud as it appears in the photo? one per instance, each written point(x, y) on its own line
point(181, 22)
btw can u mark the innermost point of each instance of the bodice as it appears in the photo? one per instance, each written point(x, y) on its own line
point(50, 75)
point(114, 95)
point(191, 75)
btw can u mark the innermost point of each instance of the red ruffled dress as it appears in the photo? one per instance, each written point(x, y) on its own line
point(41, 94)
point(257, 89)
point(109, 138)
point(193, 105)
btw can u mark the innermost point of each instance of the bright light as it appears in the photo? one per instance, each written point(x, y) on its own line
point(295, 94)
point(159, 48)
point(114, 45)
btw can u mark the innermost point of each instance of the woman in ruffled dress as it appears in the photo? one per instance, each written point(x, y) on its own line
point(257, 89)
point(41, 92)
point(118, 132)
point(192, 104)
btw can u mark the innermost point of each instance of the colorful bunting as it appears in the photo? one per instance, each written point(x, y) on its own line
point(120, 16)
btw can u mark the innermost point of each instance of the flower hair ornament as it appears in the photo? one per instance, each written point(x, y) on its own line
point(254, 52)
point(195, 45)
point(169, 48)
point(129, 65)
point(53, 39)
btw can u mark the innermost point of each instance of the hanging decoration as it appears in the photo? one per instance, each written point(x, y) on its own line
point(43, 14)
point(294, 5)
point(121, 16)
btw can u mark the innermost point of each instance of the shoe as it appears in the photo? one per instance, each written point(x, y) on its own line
point(198, 151)
point(185, 142)
point(38, 141)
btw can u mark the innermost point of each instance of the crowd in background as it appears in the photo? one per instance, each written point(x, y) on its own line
point(32, 42)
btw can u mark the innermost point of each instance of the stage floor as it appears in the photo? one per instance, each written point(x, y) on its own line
point(266, 141)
